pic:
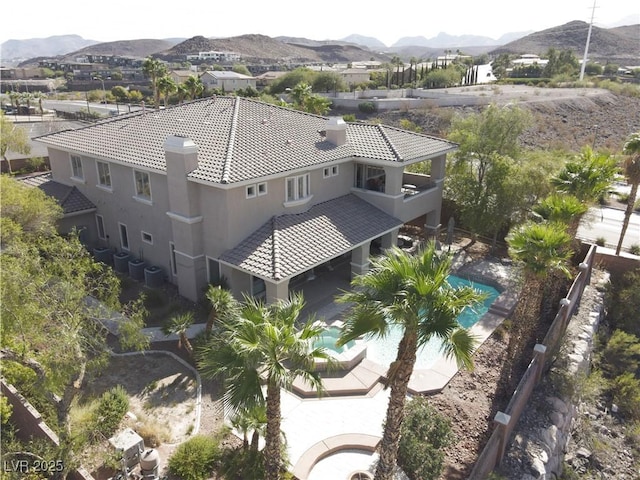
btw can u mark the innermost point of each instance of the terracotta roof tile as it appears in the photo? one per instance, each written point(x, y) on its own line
point(240, 139)
point(293, 243)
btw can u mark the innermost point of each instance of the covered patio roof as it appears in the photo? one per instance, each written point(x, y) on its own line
point(291, 244)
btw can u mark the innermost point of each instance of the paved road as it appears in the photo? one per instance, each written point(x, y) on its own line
point(81, 105)
point(607, 223)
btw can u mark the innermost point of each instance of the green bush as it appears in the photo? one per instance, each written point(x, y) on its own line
point(634, 249)
point(600, 241)
point(624, 304)
point(424, 435)
point(626, 394)
point(112, 407)
point(349, 117)
point(196, 458)
point(367, 107)
point(621, 354)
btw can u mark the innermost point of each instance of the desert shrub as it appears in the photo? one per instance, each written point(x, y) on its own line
point(153, 432)
point(424, 435)
point(626, 394)
point(621, 354)
point(240, 463)
point(112, 407)
point(196, 458)
point(624, 305)
point(367, 107)
point(634, 249)
point(349, 117)
point(600, 241)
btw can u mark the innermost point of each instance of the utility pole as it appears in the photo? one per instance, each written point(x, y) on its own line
point(586, 47)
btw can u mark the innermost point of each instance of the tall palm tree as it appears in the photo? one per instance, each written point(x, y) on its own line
point(263, 345)
point(409, 292)
point(542, 249)
point(154, 69)
point(222, 303)
point(194, 86)
point(589, 177)
point(178, 325)
point(632, 172)
point(166, 86)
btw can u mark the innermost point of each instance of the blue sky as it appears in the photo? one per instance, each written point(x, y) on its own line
point(318, 19)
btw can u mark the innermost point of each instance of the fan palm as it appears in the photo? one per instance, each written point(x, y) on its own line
point(178, 325)
point(263, 344)
point(632, 172)
point(409, 292)
point(589, 177)
point(166, 86)
point(565, 209)
point(542, 249)
point(194, 86)
point(154, 69)
point(222, 303)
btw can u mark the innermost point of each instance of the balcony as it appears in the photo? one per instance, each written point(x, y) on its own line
point(414, 184)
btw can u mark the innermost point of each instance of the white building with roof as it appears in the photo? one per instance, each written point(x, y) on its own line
point(227, 81)
point(255, 193)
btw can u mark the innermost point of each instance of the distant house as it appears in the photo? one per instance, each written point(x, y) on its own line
point(529, 59)
point(227, 81)
point(232, 189)
point(216, 56)
point(180, 76)
point(267, 78)
point(355, 76)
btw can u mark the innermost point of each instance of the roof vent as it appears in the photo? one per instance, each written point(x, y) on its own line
point(336, 131)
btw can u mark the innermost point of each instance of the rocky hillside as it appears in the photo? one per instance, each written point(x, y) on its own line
point(604, 120)
point(263, 49)
point(617, 45)
point(126, 48)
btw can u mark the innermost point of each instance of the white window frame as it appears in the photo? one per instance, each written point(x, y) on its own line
point(262, 188)
point(300, 184)
point(76, 167)
point(144, 235)
point(102, 233)
point(250, 191)
point(123, 228)
point(335, 170)
point(328, 172)
point(101, 184)
point(141, 195)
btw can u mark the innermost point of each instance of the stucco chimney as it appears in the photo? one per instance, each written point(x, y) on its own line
point(336, 131)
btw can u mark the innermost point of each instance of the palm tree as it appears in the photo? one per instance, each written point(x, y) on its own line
point(409, 292)
point(632, 172)
point(194, 86)
point(178, 325)
point(263, 345)
point(222, 303)
point(154, 69)
point(565, 209)
point(251, 420)
point(166, 86)
point(589, 177)
point(542, 249)
point(183, 92)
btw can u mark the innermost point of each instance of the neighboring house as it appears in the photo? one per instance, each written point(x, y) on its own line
point(216, 56)
point(78, 211)
point(181, 76)
point(255, 193)
point(268, 78)
point(227, 81)
point(529, 59)
point(355, 76)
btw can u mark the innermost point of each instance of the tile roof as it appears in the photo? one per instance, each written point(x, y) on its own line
point(68, 197)
point(290, 244)
point(240, 139)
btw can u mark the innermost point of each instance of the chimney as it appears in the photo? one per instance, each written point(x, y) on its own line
point(336, 131)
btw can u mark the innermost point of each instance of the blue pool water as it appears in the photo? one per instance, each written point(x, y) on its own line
point(384, 350)
point(329, 338)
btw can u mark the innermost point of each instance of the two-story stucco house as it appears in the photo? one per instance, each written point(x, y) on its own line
point(252, 192)
point(227, 81)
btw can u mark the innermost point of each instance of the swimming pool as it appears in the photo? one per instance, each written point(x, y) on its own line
point(328, 340)
point(383, 351)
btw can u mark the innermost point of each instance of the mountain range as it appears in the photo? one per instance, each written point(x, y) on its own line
point(618, 44)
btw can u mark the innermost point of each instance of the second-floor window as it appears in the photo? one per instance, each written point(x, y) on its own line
point(143, 185)
point(297, 187)
point(76, 167)
point(104, 174)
